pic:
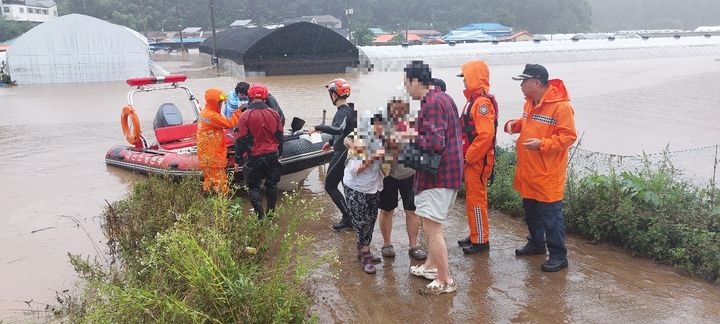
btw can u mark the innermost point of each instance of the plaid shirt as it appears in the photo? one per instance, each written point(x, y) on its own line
point(438, 127)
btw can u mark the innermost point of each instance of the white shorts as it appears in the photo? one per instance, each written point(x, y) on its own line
point(435, 203)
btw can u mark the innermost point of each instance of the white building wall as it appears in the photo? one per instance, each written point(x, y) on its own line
point(26, 13)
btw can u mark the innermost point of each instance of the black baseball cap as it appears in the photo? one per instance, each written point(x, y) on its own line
point(531, 71)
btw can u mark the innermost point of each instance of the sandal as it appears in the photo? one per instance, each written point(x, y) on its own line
point(437, 288)
point(367, 263)
point(375, 259)
point(420, 271)
point(387, 251)
point(417, 253)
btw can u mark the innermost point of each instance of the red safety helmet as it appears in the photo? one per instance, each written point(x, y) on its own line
point(258, 91)
point(340, 87)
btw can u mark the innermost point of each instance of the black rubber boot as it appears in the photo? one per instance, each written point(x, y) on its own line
point(464, 242)
point(552, 265)
point(529, 250)
point(343, 225)
point(476, 248)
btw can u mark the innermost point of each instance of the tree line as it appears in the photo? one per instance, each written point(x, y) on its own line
point(536, 16)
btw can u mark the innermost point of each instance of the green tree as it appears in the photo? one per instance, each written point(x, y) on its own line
point(12, 29)
point(363, 36)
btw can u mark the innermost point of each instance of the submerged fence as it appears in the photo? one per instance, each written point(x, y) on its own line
point(698, 165)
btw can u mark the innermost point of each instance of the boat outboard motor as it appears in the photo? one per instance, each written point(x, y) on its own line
point(167, 115)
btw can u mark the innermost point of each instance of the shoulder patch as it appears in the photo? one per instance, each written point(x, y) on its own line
point(484, 109)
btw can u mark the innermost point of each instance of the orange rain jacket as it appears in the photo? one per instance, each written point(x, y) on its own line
point(540, 175)
point(212, 151)
point(482, 112)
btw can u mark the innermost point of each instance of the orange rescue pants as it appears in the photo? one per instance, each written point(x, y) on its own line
point(476, 180)
point(215, 179)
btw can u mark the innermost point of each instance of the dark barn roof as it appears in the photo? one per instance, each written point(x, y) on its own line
point(299, 48)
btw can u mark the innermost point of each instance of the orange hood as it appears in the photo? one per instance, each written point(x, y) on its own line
point(214, 98)
point(477, 77)
point(556, 92)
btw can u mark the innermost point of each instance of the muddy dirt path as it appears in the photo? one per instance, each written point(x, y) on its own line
point(603, 284)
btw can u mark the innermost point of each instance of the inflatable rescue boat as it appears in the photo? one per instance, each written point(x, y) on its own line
point(173, 151)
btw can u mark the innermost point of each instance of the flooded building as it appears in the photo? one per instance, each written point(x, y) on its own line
point(299, 48)
point(28, 10)
point(78, 48)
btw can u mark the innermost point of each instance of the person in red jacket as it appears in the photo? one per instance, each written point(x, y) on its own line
point(212, 150)
point(260, 134)
point(479, 124)
point(547, 130)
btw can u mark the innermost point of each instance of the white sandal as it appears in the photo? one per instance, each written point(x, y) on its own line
point(437, 288)
point(420, 271)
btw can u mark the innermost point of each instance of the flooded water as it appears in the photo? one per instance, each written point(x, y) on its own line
point(55, 185)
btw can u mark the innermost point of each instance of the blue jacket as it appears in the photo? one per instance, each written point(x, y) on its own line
point(232, 103)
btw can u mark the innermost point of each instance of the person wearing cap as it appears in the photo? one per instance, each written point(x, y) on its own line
point(211, 146)
point(344, 122)
point(479, 124)
point(438, 135)
point(547, 130)
point(261, 131)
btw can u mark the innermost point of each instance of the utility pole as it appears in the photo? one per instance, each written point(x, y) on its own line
point(212, 21)
point(182, 45)
point(348, 13)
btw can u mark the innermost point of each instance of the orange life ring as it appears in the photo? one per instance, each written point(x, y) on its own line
point(132, 136)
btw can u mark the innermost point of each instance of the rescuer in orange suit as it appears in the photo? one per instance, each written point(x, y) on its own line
point(212, 151)
point(479, 127)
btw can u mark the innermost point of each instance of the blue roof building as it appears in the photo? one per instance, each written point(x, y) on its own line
point(492, 29)
point(468, 36)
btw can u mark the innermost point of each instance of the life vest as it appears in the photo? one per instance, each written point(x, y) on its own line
point(469, 132)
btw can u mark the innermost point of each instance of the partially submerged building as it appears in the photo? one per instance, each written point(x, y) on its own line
point(298, 48)
point(78, 48)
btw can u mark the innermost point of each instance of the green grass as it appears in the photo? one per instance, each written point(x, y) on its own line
point(651, 211)
point(180, 257)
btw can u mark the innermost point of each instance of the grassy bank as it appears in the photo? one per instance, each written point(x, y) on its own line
point(179, 257)
point(651, 211)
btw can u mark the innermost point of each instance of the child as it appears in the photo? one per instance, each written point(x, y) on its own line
point(362, 180)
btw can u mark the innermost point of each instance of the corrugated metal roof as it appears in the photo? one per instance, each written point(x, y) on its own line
point(485, 27)
point(40, 3)
point(324, 18)
point(238, 23)
point(192, 30)
point(465, 35)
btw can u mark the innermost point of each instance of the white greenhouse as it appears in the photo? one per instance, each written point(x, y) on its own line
point(78, 48)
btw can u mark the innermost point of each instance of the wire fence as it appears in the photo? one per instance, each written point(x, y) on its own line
point(697, 165)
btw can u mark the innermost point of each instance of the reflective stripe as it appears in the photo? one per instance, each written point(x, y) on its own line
point(545, 119)
point(479, 224)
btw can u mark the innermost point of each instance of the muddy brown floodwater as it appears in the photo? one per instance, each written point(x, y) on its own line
point(55, 183)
